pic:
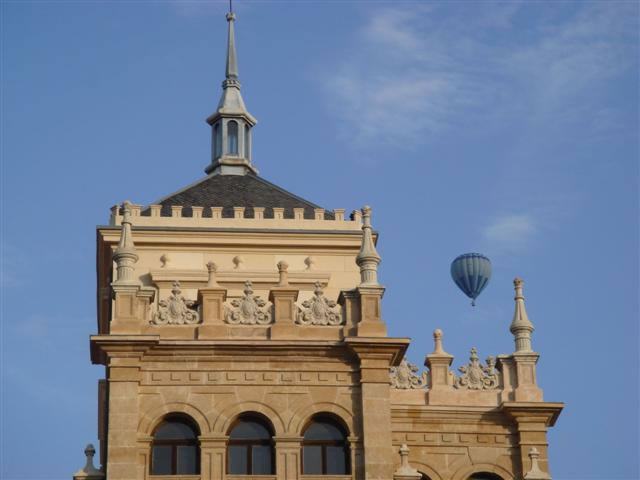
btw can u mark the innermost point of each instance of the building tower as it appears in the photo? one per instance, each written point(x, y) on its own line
point(241, 333)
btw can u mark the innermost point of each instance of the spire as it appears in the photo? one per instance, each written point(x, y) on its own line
point(521, 327)
point(368, 258)
point(125, 254)
point(231, 73)
point(231, 122)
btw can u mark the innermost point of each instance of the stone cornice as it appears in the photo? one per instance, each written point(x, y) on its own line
point(136, 345)
point(547, 412)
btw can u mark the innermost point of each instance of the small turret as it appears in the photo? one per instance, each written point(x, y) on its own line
point(125, 254)
point(231, 123)
point(368, 257)
point(521, 327)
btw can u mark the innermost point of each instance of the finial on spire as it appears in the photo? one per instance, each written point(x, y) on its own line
point(521, 327)
point(231, 72)
point(212, 268)
point(283, 273)
point(535, 473)
point(89, 472)
point(125, 255)
point(368, 258)
point(438, 349)
point(405, 471)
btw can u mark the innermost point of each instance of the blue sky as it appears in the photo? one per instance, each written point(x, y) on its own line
point(509, 128)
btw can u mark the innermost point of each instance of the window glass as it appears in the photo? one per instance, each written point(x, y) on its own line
point(336, 460)
point(247, 143)
point(323, 431)
point(218, 140)
point(250, 450)
point(250, 429)
point(174, 431)
point(261, 460)
point(485, 476)
point(325, 448)
point(186, 459)
point(232, 137)
point(312, 459)
point(161, 460)
point(175, 450)
point(238, 460)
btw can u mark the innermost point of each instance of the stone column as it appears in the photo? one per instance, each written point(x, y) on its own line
point(213, 457)
point(211, 300)
point(283, 297)
point(122, 442)
point(288, 451)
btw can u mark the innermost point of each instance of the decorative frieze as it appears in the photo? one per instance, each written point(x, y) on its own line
point(476, 376)
point(319, 310)
point(176, 309)
point(405, 376)
point(322, 379)
point(250, 309)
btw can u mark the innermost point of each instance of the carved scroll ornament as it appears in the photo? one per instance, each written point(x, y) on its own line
point(175, 310)
point(250, 309)
point(476, 376)
point(319, 310)
point(405, 376)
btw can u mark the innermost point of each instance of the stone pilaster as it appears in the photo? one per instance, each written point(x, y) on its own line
point(283, 297)
point(376, 357)
point(532, 419)
point(131, 308)
point(213, 460)
point(122, 442)
point(211, 300)
point(371, 324)
point(288, 451)
point(438, 363)
point(350, 302)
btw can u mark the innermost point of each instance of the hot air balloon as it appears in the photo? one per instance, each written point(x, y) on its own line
point(471, 272)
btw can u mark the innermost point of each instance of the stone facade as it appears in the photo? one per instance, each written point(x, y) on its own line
point(486, 419)
point(213, 317)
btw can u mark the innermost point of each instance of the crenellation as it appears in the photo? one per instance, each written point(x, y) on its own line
point(212, 217)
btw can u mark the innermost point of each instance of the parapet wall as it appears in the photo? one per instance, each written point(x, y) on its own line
point(213, 217)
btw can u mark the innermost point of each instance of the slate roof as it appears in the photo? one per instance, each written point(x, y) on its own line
point(228, 191)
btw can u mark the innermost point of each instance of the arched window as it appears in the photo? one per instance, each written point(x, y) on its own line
point(232, 137)
point(175, 450)
point(325, 449)
point(247, 143)
point(250, 449)
point(217, 140)
point(484, 476)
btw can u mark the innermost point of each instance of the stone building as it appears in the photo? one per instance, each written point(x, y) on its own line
point(240, 329)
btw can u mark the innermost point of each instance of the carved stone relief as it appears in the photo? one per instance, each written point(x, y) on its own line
point(405, 376)
point(319, 310)
point(175, 310)
point(476, 376)
point(250, 309)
